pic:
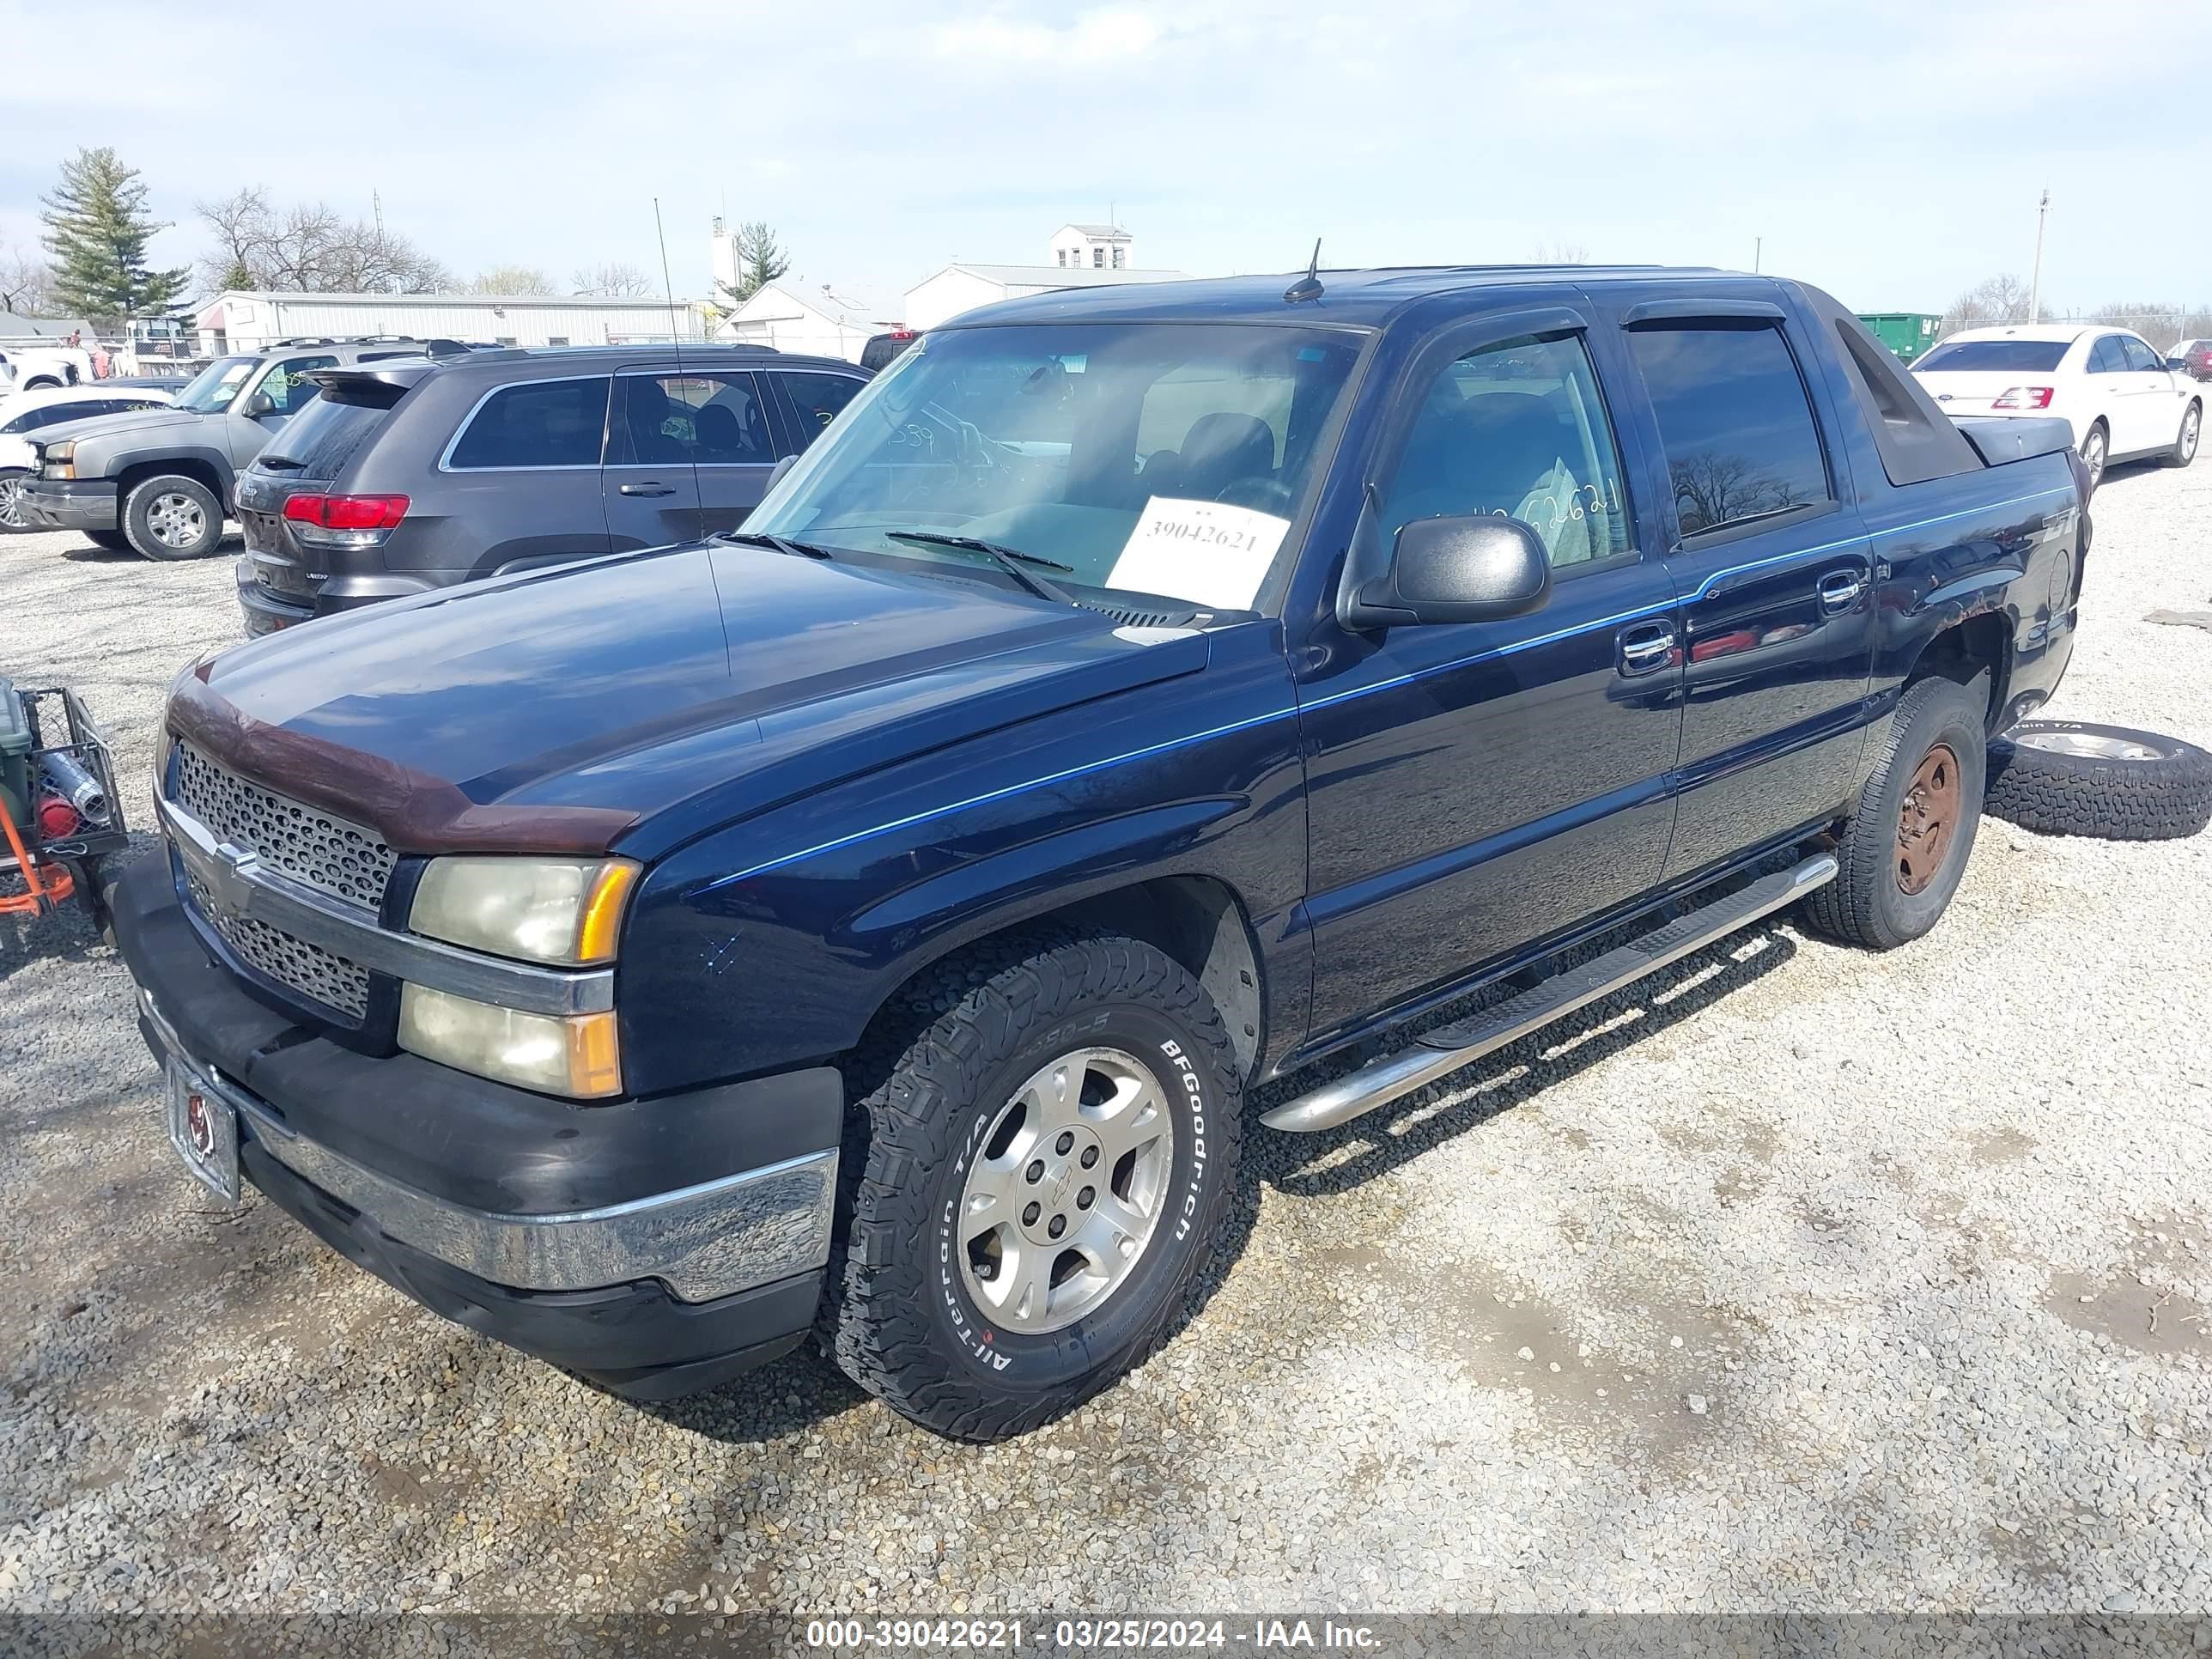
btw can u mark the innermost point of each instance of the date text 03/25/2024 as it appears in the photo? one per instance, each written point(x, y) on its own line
point(1088, 1634)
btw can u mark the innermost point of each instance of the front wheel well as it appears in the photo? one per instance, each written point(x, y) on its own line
point(180, 467)
point(1196, 920)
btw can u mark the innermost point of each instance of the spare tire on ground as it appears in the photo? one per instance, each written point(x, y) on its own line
point(2068, 778)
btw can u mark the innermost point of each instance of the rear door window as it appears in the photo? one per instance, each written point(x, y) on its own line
point(2105, 357)
point(539, 423)
point(704, 419)
point(1735, 420)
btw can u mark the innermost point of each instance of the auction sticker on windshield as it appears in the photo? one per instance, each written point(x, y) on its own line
point(1208, 552)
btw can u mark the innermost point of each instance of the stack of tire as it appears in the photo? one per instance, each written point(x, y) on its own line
point(2069, 778)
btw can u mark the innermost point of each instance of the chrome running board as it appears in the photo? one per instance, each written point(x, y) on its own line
point(1438, 1052)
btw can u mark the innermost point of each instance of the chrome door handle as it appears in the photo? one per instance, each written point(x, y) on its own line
point(1840, 590)
point(648, 490)
point(1647, 646)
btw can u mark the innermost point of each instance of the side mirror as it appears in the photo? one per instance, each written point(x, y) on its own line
point(1477, 569)
point(776, 473)
point(258, 405)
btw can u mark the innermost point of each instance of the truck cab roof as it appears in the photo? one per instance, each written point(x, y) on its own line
point(1353, 298)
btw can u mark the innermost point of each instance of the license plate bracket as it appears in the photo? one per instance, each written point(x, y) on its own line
point(204, 1128)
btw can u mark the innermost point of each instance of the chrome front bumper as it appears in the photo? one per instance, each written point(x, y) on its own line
point(704, 1241)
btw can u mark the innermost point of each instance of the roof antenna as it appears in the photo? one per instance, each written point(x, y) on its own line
point(1308, 287)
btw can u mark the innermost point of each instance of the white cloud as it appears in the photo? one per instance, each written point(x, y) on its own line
point(1095, 37)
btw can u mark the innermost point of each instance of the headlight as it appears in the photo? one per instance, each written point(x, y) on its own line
point(58, 460)
point(577, 1056)
point(565, 911)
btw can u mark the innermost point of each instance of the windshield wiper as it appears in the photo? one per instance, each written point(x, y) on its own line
point(1009, 559)
point(782, 545)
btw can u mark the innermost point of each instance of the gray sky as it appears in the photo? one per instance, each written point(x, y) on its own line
point(1891, 153)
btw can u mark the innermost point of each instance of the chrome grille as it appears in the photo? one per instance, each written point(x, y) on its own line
point(314, 972)
point(304, 843)
point(309, 845)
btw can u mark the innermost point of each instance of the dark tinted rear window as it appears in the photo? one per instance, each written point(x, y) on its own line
point(322, 439)
point(1734, 421)
point(541, 424)
point(2005, 357)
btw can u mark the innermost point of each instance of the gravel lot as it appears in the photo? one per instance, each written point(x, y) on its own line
point(1806, 1279)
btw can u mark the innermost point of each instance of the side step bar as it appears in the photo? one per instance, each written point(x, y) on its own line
point(1436, 1053)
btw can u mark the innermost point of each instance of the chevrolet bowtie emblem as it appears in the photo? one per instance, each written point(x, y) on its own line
point(229, 890)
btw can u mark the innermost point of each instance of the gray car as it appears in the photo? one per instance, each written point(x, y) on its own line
point(160, 483)
point(409, 476)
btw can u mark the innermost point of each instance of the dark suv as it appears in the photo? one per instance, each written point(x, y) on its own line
point(411, 475)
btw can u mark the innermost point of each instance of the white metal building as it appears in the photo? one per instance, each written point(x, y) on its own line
point(1083, 256)
point(792, 315)
point(242, 321)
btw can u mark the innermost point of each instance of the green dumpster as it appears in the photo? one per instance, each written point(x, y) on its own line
point(1906, 333)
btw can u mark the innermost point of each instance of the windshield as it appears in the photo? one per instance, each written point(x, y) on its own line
point(1150, 458)
point(214, 386)
point(2036, 357)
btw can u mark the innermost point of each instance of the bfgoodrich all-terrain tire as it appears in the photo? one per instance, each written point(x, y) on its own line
point(2066, 778)
point(1045, 1153)
point(1910, 834)
point(172, 517)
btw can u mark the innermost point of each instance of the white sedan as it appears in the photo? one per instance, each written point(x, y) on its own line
point(2122, 400)
point(29, 411)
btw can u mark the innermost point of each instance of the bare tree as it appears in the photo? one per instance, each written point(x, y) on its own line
point(25, 283)
point(611, 281)
point(1993, 300)
point(311, 250)
point(2162, 325)
point(1713, 488)
point(1561, 253)
point(512, 279)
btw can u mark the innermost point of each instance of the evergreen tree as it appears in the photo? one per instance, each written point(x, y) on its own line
point(97, 228)
point(760, 259)
point(236, 279)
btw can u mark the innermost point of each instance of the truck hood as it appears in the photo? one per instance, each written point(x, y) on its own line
point(102, 426)
point(556, 710)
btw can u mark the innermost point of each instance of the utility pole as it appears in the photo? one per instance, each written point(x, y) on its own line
point(1758, 247)
point(2035, 280)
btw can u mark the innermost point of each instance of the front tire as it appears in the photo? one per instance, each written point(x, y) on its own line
point(1910, 835)
point(171, 517)
point(1042, 1173)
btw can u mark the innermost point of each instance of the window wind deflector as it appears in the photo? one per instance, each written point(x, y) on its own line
point(1701, 310)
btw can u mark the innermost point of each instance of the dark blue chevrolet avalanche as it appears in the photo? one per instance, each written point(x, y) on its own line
point(871, 922)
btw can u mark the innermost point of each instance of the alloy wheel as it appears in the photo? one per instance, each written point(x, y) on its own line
point(11, 505)
point(176, 520)
point(1066, 1191)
